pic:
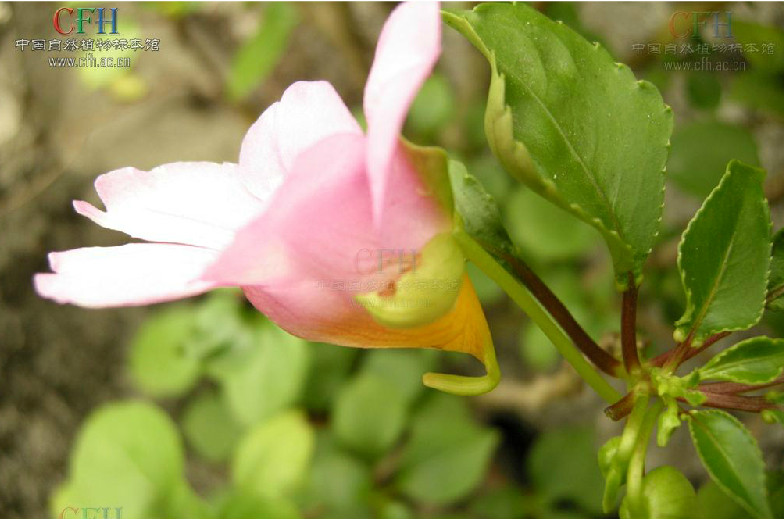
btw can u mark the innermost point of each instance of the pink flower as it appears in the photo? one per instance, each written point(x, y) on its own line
point(303, 221)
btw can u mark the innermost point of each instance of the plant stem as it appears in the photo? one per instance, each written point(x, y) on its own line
point(637, 462)
point(621, 408)
point(600, 358)
point(687, 352)
point(736, 388)
point(523, 298)
point(631, 358)
point(751, 404)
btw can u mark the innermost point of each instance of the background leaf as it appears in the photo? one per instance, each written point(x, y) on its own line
point(724, 255)
point(573, 451)
point(127, 455)
point(161, 363)
point(272, 459)
point(209, 426)
point(369, 414)
point(544, 230)
point(447, 455)
point(701, 150)
point(256, 58)
point(268, 376)
point(731, 455)
point(338, 483)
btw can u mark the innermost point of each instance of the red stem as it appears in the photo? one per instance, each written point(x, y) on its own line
point(735, 388)
point(753, 404)
point(621, 408)
point(631, 358)
point(600, 358)
point(687, 352)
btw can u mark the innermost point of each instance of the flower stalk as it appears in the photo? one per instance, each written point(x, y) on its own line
point(600, 358)
point(521, 295)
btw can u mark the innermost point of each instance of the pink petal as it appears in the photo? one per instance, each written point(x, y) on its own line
point(133, 274)
point(194, 203)
point(407, 50)
point(412, 214)
point(318, 220)
point(307, 113)
point(316, 245)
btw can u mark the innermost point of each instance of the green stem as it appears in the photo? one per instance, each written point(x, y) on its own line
point(636, 470)
point(523, 298)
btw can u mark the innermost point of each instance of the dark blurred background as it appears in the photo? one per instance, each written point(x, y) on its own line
point(381, 444)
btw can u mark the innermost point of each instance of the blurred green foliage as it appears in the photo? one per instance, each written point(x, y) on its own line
point(259, 55)
point(319, 431)
point(303, 429)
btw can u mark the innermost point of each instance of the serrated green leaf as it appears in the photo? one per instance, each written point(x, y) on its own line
point(369, 415)
point(271, 461)
point(447, 455)
point(724, 255)
point(776, 278)
point(701, 150)
point(732, 458)
point(758, 360)
point(257, 57)
point(573, 125)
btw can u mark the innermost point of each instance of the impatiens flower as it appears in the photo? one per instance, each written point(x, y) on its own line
point(336, 235)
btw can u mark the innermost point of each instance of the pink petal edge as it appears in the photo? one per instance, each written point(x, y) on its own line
point(407, 50)
point(193, 203)
point(308, 112)
point(128, 275)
